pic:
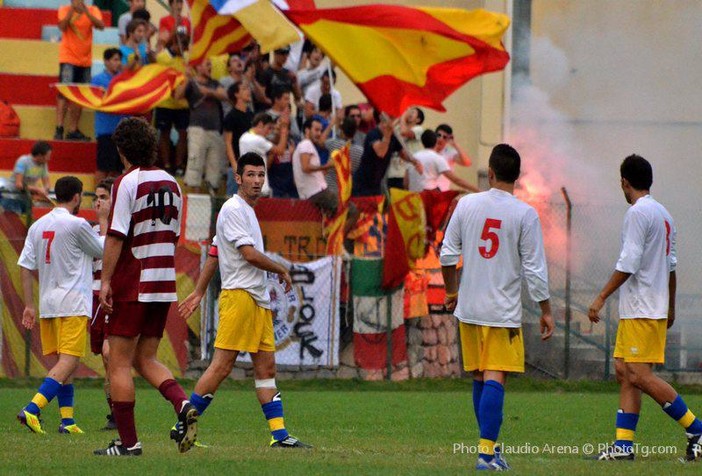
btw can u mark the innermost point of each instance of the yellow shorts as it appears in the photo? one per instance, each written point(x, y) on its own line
point(491, 348)
point(64, 335)
point(243, 324)
point(641, 340)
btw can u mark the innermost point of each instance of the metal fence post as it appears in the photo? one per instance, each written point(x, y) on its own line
point(568, 315)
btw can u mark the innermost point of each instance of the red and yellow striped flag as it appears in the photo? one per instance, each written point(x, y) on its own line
point(214, 34)
point(131, 92)
point(334, 226)
point(403, 56)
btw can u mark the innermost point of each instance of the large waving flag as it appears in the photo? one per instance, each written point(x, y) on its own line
point(214, 34)
point(131, 92)
point(263, 20)
point(402, 56)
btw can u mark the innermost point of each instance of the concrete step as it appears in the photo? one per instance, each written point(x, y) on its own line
point(108, 36)
point(39, 122)
point(34, 57)
point(27, 23)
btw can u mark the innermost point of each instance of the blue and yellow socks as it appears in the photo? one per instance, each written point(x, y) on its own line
point(626, 428)
point(201, 402)
point(490, 417)
point(477, 394)
point(65, 402)
point(678, 411)
point(47, 391)
point(273, 412)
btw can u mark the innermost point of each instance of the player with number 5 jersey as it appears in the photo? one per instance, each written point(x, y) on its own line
point(500, 240)
point(61, 247)
point(138, 283)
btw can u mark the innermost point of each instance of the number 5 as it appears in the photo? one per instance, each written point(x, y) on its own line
point(490, 236)
point(49, 236)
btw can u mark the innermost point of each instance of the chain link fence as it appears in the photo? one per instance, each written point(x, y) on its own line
point(578, 275)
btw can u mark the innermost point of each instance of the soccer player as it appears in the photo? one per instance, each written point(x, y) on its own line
point(60, 246)
point(499, 237)
point(98, 343)
point(245, 320)
point(138, 283)
point(645, 272)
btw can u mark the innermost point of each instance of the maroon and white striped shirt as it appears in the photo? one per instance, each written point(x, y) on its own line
point(146, 210)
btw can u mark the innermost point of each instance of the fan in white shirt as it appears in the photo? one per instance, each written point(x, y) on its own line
point(255, 141)
point(434, 168)
point(645, 272)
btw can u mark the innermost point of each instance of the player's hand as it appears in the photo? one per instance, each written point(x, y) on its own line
point(547, 326)
point(106, 298)
point(29, 317)
point(285, 278)
point(189, 305)
point(671, 318)
point(594, 312)
point(450, 302)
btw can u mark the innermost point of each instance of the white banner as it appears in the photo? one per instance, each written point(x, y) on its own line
point(306, 319)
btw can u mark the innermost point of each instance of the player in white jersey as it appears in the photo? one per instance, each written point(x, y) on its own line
point(499, 238)
point(645, 275)
point(60, 246)
point(138, 283)
point(98, 341)
point(245, 319)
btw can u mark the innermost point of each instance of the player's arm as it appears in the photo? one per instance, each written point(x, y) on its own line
point(633, 242)
point(261, 261)
point(535, 269)
point(615, 281)
point(28, 263)
point(113, 248)
point(673, 280)
point(192, 302)
point(451, 249)
point(29, 315)
point(90, 241)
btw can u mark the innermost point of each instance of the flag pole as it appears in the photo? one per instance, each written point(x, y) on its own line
point(331, 92)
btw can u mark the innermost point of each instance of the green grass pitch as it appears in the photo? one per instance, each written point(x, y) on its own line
point(417, 427)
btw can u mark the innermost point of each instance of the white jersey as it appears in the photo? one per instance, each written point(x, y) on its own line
point(648, 254)
point(499, 237)
point(237, 226)
point(97, 264)
point(62, 247)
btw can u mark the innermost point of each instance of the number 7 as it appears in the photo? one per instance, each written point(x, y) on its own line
point(49, 236)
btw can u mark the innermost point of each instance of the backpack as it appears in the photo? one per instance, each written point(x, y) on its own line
point(9, 121)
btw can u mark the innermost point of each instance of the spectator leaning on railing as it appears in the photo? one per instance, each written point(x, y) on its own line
point(309, 171)
point(30, 175)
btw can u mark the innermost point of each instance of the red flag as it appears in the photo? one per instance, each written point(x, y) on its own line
point(402, 56)
point(214, 34)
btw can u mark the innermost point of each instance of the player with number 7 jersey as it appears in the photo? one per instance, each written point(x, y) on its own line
point(61, 247)
point(499, 238)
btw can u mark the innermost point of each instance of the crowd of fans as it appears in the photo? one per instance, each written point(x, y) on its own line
point(282, 107)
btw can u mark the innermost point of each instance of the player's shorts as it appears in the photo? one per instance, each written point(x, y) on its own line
point(491, 348)
point(641, 340)
point(97, 327)
point(243, 324)
point(70, 73)
point(134, 318)
point(107, 156)
point(165, 118)
point(64, 335)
